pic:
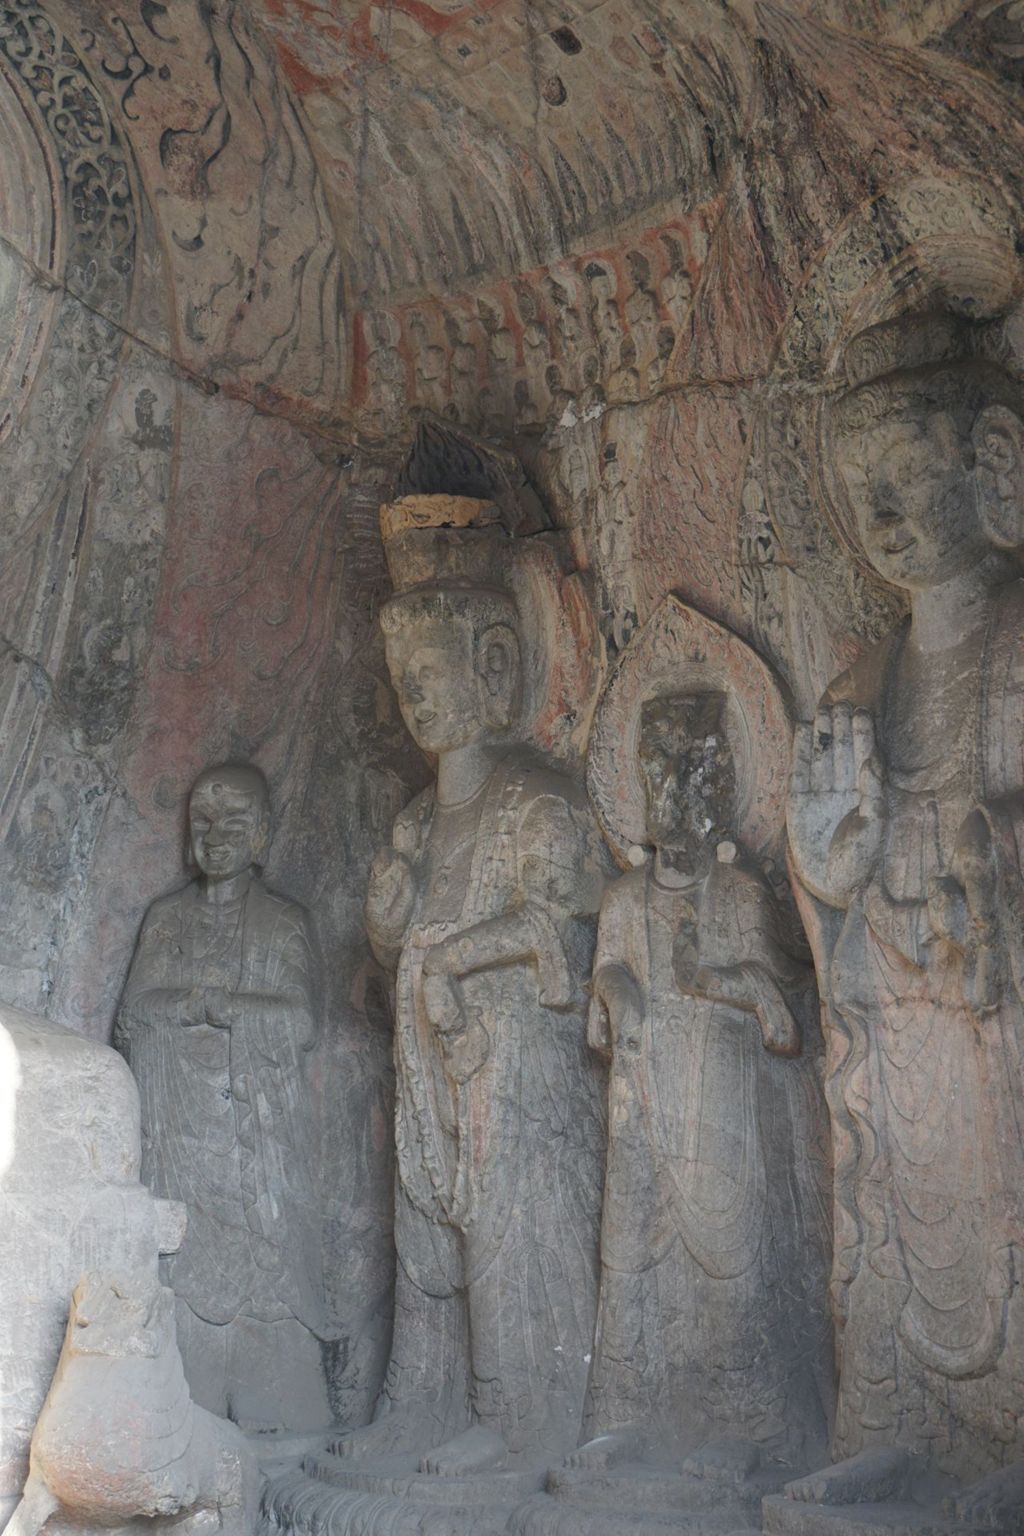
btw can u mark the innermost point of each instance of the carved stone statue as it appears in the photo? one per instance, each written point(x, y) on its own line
point(483, 907)
point(906, 822)
point(713, 1344)
point(119, 1442)
point(219, 1010)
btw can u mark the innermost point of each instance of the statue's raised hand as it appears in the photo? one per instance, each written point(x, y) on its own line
point(836, 810)
point(391, 894)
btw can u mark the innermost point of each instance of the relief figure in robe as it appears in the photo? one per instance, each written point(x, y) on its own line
point(906, 822)
point(713, 1346)
point(483, 908)
point(219, 1011)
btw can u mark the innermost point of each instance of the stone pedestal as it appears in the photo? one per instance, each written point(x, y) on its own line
point(70, 1201)
point(331, 1496)
point(322, 1494)
point(786, 1517)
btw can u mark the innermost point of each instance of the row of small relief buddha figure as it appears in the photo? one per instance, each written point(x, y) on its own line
point(669, 1145)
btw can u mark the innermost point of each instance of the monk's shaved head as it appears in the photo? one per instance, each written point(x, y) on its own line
point(234, 779)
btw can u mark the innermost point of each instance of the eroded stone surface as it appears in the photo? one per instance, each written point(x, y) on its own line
point(70, 1198)
point(241, 244)
point(221, 1007)
point(906, 791)
point(119, 1442)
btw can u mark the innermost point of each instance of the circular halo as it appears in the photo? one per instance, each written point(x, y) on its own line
point(680, 651)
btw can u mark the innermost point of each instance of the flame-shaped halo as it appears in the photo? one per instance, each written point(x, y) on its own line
point(679, 651)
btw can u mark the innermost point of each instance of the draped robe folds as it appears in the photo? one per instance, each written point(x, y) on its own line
point(927, 1093)
point(225, 1125)
point(499, 1175)
point(713, 1307)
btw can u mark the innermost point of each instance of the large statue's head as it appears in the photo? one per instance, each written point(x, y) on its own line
point(229, 820)
point(688, 773)
point(454, 658)
point(932, 463)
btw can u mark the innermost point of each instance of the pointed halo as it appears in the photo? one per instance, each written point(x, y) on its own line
point(680, 651)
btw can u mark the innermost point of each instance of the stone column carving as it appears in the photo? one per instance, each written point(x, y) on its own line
point(906, 821)
point(219, 1010)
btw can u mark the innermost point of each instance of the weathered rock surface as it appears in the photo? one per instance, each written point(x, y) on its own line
point(240, 246)
point(120, 1443)
point(70, 1199)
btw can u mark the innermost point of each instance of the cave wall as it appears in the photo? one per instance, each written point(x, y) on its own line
point(240, 246)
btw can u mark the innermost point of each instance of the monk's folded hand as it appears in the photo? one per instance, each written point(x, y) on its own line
point(222, 1007)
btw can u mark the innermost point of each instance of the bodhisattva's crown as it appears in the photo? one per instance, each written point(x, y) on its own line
point(459, 507)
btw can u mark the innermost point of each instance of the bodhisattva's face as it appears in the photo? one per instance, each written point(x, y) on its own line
point(226, 827)
point(438, 692)
point(914, 500)
point(688, 774)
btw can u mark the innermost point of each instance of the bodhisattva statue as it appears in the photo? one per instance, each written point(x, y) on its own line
point(906, 822)
point(219, 1010)
point(713, 1340)
point(483, 907)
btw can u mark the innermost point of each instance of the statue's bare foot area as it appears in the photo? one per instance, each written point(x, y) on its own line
point(606, 1451)
point(476, 1450)
point(724, 1461)
point(384, 1437)
point(996, 1503)
point(869, 1478)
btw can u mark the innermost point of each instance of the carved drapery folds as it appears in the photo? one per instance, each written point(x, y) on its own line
point(904, 822)
point(712, 1347)
point(221, 1005)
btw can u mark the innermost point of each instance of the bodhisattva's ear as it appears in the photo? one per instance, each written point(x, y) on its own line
point(998, 439)
point(498, 670)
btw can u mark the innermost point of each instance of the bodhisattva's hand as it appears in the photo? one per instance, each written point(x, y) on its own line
point(465, 1043)
point(836, 809)
point(443, 1004)
point(392, 891)
point(222, 1007)
point(964, 910)
point(619, 995)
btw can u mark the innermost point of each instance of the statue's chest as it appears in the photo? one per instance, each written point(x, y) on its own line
point(211, 947)
point(450, 874)
point(929, 740)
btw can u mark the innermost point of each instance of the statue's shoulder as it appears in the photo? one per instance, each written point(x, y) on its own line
point(743, 882)
point(625, 893)
point(168, 906)
point(278, 907)
point(530, 780)
point(861, 684)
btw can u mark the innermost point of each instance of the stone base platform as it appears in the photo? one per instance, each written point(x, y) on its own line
point(320, 1494)
point(385, 1496)
point(787, 1517)
point(640, 1500)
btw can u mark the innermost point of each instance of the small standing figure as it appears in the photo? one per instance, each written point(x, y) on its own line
point(906, 823)
point(713, 1343)
point(219, 1010)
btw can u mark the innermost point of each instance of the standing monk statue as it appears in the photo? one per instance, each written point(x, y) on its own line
point(906, 822)
point(713, 1352)
point(219, 1010)
point(484, 909)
